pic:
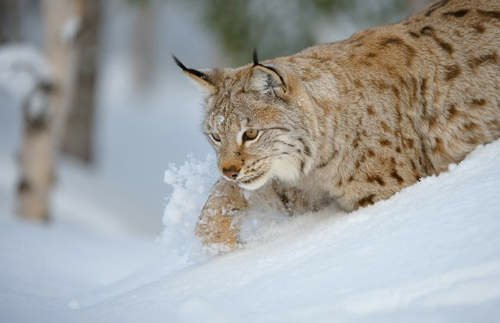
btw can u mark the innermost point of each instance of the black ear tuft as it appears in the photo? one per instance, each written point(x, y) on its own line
point(255, 57)
point(179, 63)
point(189, 70)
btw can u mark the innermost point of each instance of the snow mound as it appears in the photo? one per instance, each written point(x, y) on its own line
point(191, 183)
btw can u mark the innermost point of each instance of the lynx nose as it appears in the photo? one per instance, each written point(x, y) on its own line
point(231, 172)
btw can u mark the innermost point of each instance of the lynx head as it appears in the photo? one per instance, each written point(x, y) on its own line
point(255, 123)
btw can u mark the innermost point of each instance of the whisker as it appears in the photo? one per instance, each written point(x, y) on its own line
point(258, 168)
point(253, 178)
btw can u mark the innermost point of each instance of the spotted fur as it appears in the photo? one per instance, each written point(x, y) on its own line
point(355, 121)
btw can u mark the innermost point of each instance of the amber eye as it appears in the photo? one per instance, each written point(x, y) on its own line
point(250, 134)
point(215, 137)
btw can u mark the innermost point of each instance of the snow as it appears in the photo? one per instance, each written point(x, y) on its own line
point(430, 253)
point(84, 200)
point(20, 66)
point(71, 29)
point(191, 183)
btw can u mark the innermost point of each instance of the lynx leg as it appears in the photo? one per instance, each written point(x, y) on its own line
point(218, 224)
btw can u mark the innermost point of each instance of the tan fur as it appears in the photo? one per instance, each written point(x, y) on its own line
point(355, 121)
point(217, 226)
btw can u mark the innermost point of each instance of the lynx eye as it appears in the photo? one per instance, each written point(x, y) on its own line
point(215, 137)
point(250, 134)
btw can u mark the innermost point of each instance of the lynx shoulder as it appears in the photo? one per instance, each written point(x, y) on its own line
point(355, 121)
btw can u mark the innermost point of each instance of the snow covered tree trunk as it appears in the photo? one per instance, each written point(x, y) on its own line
point(79, 129)
point(44, 113)
point(36, 160)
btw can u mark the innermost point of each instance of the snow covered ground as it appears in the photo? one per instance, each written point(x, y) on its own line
point(431, 253)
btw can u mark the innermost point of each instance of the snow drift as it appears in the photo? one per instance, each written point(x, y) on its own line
point(429, 253)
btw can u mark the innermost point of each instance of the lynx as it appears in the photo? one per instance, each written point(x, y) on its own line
point(351, 122)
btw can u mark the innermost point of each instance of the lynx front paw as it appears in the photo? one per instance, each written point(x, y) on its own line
point(219, 221)
point(218, 229)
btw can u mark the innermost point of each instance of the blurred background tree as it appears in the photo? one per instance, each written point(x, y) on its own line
point(84, 44)
point(9, 21)
point(143, 42)
point(282, 27)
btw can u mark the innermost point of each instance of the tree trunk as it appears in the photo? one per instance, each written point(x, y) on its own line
point(44, 115)
point(36, 161)
point(78, 138)
point(9, 21)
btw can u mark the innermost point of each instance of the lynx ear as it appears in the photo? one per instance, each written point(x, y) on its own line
point(266, 79)
point(204, 79)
